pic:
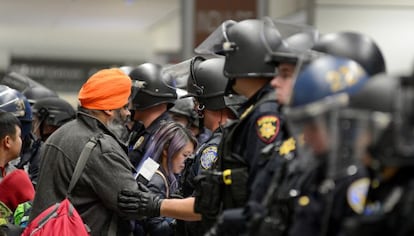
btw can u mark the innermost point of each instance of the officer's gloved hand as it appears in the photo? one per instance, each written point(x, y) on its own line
point(141, 203)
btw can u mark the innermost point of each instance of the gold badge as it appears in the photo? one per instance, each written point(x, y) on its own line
point(304, 201)
point(139, 142)
point(267, 128)
point(287, 146)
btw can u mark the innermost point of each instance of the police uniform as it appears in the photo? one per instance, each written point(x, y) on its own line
point(206, 158)
point(140, 138)
point(388, 210)
point(30, 158)
point(260, 124)
point(322, 205)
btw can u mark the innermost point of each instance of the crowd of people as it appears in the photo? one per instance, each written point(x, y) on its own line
point(280, 131)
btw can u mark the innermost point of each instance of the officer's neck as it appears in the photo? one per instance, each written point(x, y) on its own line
point(149, 115)
point(248, 87)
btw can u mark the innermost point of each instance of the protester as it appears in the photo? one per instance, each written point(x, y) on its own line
point(108, 169)
point(11, 142)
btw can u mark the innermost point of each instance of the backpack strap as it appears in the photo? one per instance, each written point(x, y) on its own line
point(80, 164)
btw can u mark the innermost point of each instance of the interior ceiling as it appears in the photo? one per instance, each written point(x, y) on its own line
point(139, 15)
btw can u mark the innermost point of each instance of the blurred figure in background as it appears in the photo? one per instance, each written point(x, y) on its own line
point(49, 114)
point(16, 103)
point(386, 200)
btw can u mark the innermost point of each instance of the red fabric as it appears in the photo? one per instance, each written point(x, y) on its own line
point(107, 89)
point(16, 188)
point(60, 219)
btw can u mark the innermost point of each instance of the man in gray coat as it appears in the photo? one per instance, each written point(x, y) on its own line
point(103, 99)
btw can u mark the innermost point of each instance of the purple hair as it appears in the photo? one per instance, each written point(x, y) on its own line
point(174, 137)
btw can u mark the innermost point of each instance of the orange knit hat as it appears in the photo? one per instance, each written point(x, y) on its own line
point(107, 89)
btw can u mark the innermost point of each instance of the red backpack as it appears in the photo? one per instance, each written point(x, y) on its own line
point(62, 218)
point(59, 219)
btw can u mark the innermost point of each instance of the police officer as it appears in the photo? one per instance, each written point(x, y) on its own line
point(49, 114)
point(206, 85)
point(281, 193)
point(387, 208)
point(327, 133)
point(13, 101)
point(280, 155)
point(249, 75)
point(272, 46)
point(150, 100)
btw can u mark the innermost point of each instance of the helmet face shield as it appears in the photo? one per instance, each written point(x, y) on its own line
point(217, 42)
point(339, 134)
point(296, 40)
point(182, 76)
point(180, 73)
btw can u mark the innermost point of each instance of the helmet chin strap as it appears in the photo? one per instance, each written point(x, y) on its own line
point(229, 87)
point(200, 113)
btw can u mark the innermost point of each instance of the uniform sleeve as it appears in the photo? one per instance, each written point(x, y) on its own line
point(263, 129)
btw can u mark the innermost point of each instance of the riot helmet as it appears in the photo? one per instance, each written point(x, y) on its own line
point(296, 42)
point(395, 146)
point(149, 88)
point(31, 89)
point(184, 107)
point(207, 82)
point(355, 46)
point(318, 113)
point(243, 46)
point(53, 112)
point(253, 47)
point(16, 103)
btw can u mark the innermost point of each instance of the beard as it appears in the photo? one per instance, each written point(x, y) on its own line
point(118, 126)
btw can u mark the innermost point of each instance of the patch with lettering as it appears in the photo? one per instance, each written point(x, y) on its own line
point(357, 194)
point(208, 157)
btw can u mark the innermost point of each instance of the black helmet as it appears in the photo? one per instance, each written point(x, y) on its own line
point(16, 103)
point(207, 82)
point(318, 115)
point(395, 145)
point(53, 111)
point(242, 44)
point(355, 46)
point(254, 47)
point(149, 87)
point(31, 89)
point(296, 41)
point(185, 107)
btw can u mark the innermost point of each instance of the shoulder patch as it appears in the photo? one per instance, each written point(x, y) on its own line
point(357, 194)
point(267, 128)
point(208, 157)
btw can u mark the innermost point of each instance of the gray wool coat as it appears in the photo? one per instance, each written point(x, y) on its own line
point(107, 171)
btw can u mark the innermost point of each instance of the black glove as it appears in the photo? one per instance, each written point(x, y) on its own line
point(141, 203)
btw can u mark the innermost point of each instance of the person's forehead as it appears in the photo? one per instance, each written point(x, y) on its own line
point(286, 66)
